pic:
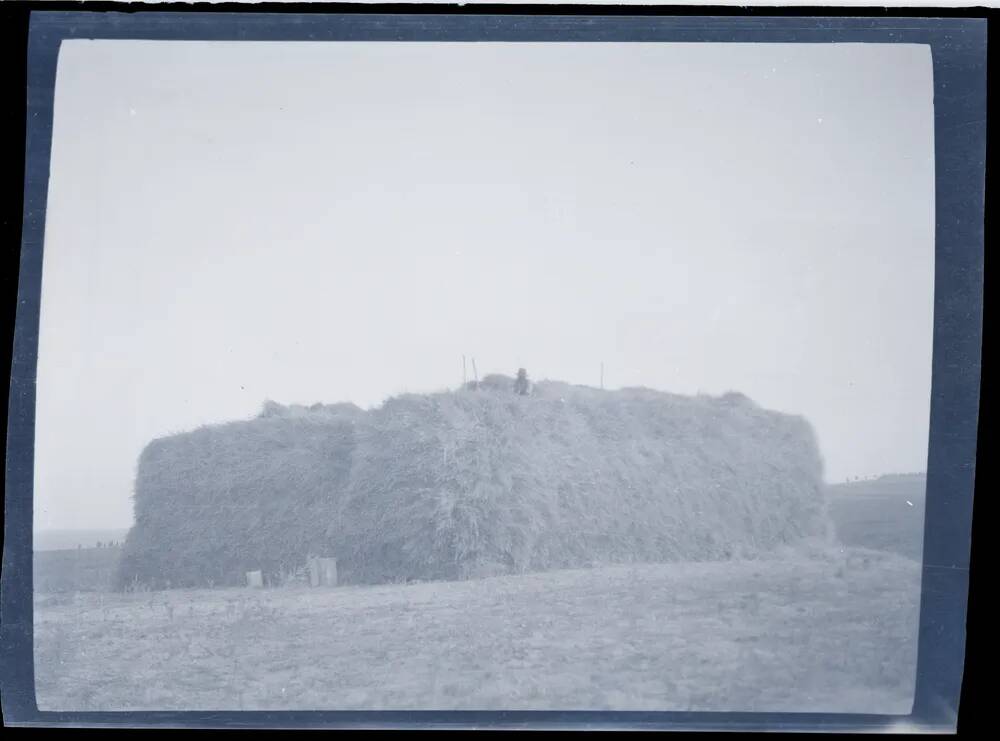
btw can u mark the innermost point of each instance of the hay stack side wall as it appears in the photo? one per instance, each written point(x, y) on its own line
point(468, 483)
point(212, 504)
point(451, 485)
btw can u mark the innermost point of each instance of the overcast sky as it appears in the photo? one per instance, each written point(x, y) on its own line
point(234, 222)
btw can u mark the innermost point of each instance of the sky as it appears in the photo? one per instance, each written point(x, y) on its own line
point(232, 222)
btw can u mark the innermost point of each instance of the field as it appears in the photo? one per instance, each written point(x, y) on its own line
point(831, 631)
point(64, 540)
point(818, 630)
point(76, 569)
point(886, 514)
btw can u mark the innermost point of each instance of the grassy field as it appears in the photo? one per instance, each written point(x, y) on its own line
point(76, 569)
point(885, 514)
point(821, 630)
point(830, 630)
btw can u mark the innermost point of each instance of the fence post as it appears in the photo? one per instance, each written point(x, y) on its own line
point(328, 572)
point(313, 565)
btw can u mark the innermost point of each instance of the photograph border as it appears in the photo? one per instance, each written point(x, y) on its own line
point(958, 47)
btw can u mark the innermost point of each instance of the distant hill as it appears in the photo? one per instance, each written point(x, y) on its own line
point(75, 569)
point(57, 540)
point(887, 483)
point(472, 482)
point(886, 513)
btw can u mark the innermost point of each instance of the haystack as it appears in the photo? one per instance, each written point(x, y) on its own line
point(222, 500)
point(476, 482)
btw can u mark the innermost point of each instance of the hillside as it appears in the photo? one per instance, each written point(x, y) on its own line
point(475, 482)
point(75, 569)
point(60, 540)
point(886, 513)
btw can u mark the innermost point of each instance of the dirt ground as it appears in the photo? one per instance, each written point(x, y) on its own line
point(832, 631)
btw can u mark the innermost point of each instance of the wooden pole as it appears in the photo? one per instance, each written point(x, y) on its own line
point(475, 373)
point(313, 566)
point(464, 380)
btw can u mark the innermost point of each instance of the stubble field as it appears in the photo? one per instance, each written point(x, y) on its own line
point(828, 630)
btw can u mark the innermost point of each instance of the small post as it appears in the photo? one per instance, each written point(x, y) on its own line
point(328, 572)
point(313, 566)
point(602, 374)
point(475, 372)
point(464, 376)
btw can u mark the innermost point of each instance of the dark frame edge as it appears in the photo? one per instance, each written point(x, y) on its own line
point(947, 577)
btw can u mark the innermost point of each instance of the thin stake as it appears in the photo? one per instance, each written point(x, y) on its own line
point(475, 372)
point(602, 374)
point(463, 371)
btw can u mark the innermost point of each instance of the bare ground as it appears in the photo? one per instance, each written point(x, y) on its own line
point(831, 631)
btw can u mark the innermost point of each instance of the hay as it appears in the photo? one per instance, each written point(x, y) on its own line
point(472, 482)
point(217, 502)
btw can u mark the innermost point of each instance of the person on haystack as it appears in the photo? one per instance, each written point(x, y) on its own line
point(521, 384)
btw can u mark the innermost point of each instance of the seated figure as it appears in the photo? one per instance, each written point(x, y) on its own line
point(521, 384)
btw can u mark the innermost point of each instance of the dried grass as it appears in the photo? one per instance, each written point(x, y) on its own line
point(469, 483)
